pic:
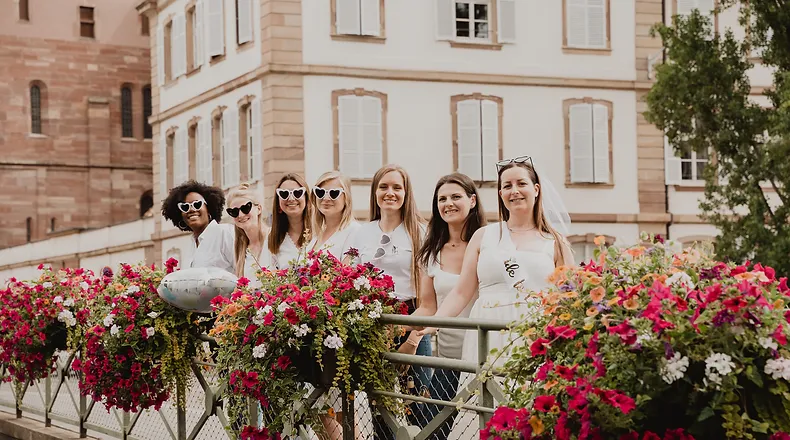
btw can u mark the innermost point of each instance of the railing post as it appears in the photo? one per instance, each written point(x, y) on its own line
point(347, 406)
point(125, 425)
point(83, 415)
point(181, 412)
point(486, 398)
point(47, 400)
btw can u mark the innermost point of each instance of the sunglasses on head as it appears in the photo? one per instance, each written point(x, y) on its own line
point(285, 194)
point(186, 206)
point(332, 194)
point(245, 209)
point(521, 159)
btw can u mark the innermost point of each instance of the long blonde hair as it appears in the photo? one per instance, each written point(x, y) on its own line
point(538, 216)
point(319, 221)
point(280, 219)
point(410, 215)
point(241, 241)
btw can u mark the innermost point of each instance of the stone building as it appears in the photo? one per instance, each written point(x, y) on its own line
point(75, 145)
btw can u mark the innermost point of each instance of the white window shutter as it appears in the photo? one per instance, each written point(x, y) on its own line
point(205, 158)
point(347, 17)
point(506, 19)
point(672, 167)
point(370, 17)
point(182, 44)
point(489, 111)
point(469, 139)
point(601, 143)
point(244, 16)
point(175, 57)
point(257, 141)
point(198, 36)
point(372, 139)
point(232, 147)
point(445, 19)
point(581, 143)
point(160, 55)
point(180, 157)
point(350, 151)
point(686, 6)
point(163, 166)
point(216, 28)
point(576, 24)
point(596, 24)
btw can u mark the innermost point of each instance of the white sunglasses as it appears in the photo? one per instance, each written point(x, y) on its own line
point(285, 194)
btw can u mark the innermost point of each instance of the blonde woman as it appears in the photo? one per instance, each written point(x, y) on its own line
point(246, 210)
point(390, 242)
point(291, 217)
point(334, 222)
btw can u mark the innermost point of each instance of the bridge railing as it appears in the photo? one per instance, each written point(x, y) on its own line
point(56, 400)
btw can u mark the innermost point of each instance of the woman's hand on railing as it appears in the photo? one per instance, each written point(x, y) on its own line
point(427, 331)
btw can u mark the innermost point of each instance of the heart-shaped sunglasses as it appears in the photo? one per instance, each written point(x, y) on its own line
point(186, 206)
point(245, 209)
point(332, 194)
point(285, 194)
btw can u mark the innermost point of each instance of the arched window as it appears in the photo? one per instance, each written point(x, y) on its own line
point(148, 133)
point(29, 226)
point(146, 203)
point(35, 109)
point(126, 112)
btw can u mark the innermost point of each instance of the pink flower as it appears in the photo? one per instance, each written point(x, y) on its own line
point(625, 331)
point(538, 347)
point(564, 332)
point(544, 403)
point(779, 335)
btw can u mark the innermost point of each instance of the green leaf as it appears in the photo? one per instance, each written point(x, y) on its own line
point(705, 414)
point(754, 375)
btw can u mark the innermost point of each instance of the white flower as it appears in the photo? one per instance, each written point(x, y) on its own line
point(352, 319)
point(260, 314)
point(283, 307)
point(57, 299)
point(300, 330)
point(132, 289)
point(47, 285)
point(356, 304)
point(114, 330)
point(680, 278)
point(737, 330)
point(376, 305)
point(778, 368)
point(362, 282)
point(674, 368)
point(374, 314)
point(768, 343)
point(259, 351)
point(153, 315)
point(68, 302)
point(717, 366)
point(109, 319)
point(644, 337)
point(150, 332)
point(67, 317)
point(333, 342)
point(84, 285)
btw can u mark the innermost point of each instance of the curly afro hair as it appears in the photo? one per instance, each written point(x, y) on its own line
point(215, 202)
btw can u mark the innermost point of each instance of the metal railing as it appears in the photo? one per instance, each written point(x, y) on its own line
point(56, 399)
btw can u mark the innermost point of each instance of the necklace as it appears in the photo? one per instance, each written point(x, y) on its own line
point(454, 244)
point(520, 230)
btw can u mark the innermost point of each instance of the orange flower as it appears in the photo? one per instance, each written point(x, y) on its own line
point(779, 304)
point(597, 294)
point(118, 287)
point(565, 316)
point(631, 303)
point(555, 409)
point(612, 301)
point(636, 251)
point(595, 280)
point(537, 425)
point(330, 412)
point(592, 311)
point(600, 240)
point(553, 298)
point(571, 294)
point(550, 384)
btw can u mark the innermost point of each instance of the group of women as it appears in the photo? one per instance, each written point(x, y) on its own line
point(455, 265)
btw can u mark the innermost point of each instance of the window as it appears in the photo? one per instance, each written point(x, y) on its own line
point(250, 150)
point(215, 26)
point(178, 47)
point(358, 17)
point(477, 135)
point(230, 148)
point(203, 153)
point(584, 246)
point(126, 112)
point(35, 109)
point(217, 140)
point(52, 224)
point(168, 162)
point(147, 111)
point(705, 7)
point(243, 21)
point(145, 27)
point(686, 166)
point(586, 24)
point(87, 24)
point(24, 10)
point(29, 229)
point(165, 53)
point(359, 125)
point(194, 36)
point(476, 21)
point(146, 204)
point(588, 141)
point(180, 157)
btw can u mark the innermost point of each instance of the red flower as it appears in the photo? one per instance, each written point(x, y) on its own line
point(566, 373)
point(651, 436)
point(780, 436)
point(677, 434)
point(565, 332)
point(544, 403)
point(250, 380)
point(544, 369)
point(734, 304)
point(779, 335)
point(283, 362)
point(625, 331)
point(538, 347)
point(291, 316)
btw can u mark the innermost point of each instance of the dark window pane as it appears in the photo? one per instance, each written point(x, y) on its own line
point(126, 113)
point(685, 171)
point(29, 226)
point(481, 12)
point(24, 10)
point(481, 30)
point(35, 110)
point(702, 153)
point(86, 30)
point(86, 13)
point(144, 27)
point(462, 10)
point(461, 28)
point(701, 170)
point(147, 130)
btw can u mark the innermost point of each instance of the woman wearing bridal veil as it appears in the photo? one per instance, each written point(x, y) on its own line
point(520, 251)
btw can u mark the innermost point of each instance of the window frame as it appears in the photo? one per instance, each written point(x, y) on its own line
point(588, 241)
point(167, 30)
point(448, 31)
point(38, 85)
point(170, 140)
point(91, 22)
point(566, 108)
point(454, 101)
point(127, 112)
point(359, 92)
point(490, 7)
point(568, 49)
point(715, 14)
point(147, 104)
point(335, 35)
point(190, 17)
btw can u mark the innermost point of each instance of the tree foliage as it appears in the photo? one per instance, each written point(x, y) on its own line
point(701, 101)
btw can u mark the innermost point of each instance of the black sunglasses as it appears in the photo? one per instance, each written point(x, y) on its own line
point(245, 209)
point(185, 206)
point(322, 193)
point(285, 194)
point(520, 159)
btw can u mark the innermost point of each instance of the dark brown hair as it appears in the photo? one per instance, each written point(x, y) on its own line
point(280, 219)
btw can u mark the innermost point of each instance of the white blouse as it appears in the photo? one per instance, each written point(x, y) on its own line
point(251, 268)
point(216, 247)
point(287, 254)
point(339, 242)
point(394, 257)
point(449, 341)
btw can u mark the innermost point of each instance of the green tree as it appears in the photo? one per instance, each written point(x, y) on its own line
point(701, 101)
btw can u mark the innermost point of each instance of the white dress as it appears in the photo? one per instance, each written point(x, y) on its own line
point(499, 267)
point(448, 341)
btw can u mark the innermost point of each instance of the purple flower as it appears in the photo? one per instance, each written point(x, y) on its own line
point(668, 351)
point(723, 317)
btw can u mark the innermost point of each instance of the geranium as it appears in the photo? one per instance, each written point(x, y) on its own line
point(318, 323)
point(38, 318)
point(651, 343)
point(138, 348)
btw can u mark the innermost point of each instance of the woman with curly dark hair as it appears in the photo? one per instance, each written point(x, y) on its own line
point(196, 207)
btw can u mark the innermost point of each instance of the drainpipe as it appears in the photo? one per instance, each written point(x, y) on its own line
point(664, 60)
